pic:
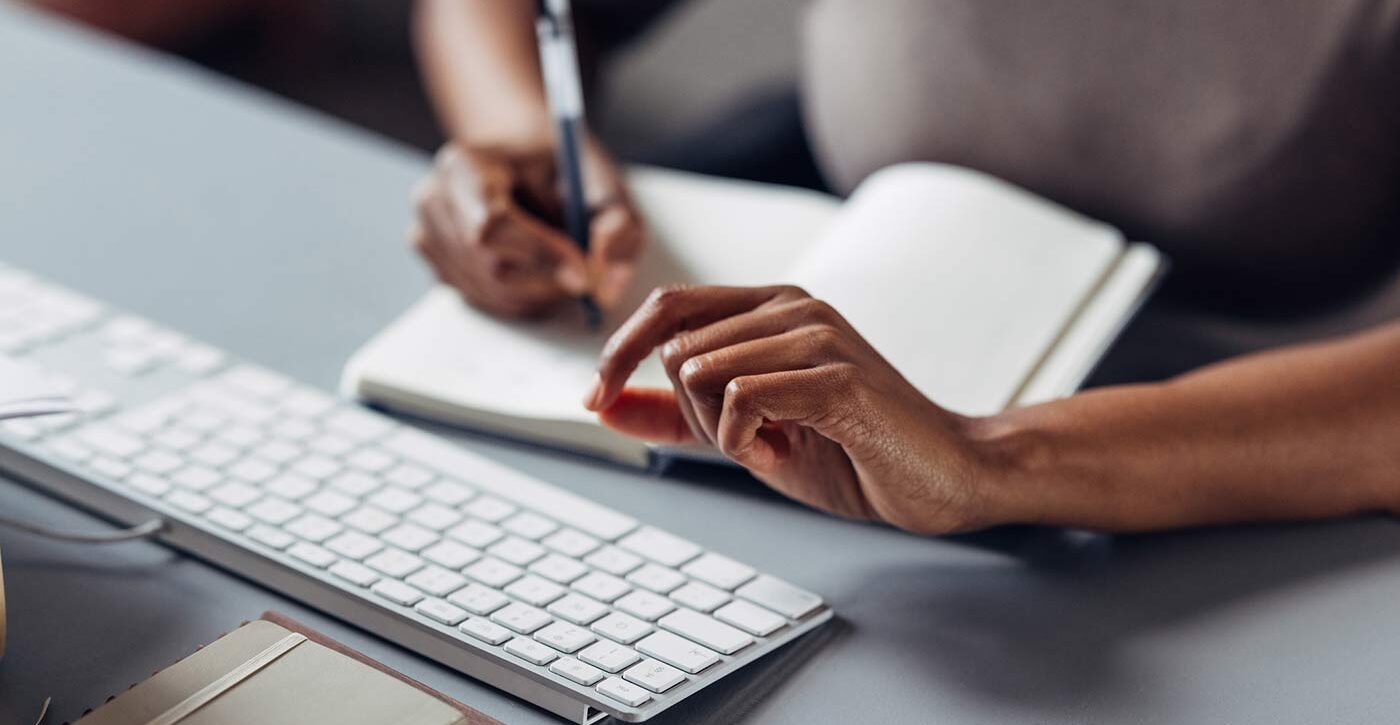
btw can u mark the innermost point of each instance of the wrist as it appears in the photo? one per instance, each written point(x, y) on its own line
point(1021, 472)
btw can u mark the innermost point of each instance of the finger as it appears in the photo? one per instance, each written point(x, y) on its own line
point(617, 242)
point(668, 311)
point(648, 413)
point(754, 324)
point(705, 378)
point(806, 397)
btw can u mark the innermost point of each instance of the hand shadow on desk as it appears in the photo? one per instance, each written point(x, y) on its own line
point(1054, 637)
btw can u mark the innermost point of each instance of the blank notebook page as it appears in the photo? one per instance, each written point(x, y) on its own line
point(961, 281)
point(716, 232)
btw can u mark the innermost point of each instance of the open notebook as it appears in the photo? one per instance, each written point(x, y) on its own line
point(983, 295)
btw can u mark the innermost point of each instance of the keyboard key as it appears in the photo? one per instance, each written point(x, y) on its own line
point(478, 599)
point(290, 486)
point(354, 545)
point(613, 560)
point(111, 442)
point(713, 634)
point(579, 672)
point(370, 519)
point(622, 628)
point(521, 618)
point(534, 590)
point(148, 484)
point(608, 656)
point(241, 436)
point(354, 572)
point(477, 534)
point(356, 484)
point(295, 429)
point(437, 581)
point(490, 509)
point(253, 470)
point(229, 519)
point(397, 592)
point(196, 478)
point(70, 449)
point(331, 444)
point(409, 476)
point(485, 630)
point(653, 675)
point(779, 596)
point(660, 547)
point(274, 511)
point(312, 554)
point(396, 500)
point(531, 651)
point(440, 612)
point(571, 543)
point(565, 637)
point(268, 536)
point(394, 563)
point(658, 579)
point(751, 618)
point(178, 439)
point(316, 467)
point(516, 551)
point(192, 502)
point(204, 420)
point(371, 460)
point(214, 454)
point(600, 586)
point(700, 597)
point(434, 516)
point(493, 572)
point(330, 503)
point(645, 605)
point(199, 359)
point(410, 537)
point(558, 568)
point(110, 467)
point(450, 554)
point(623, 691)
point(678, 651)
point(313, 528)
point(235, 495)
point(278, 452)
point(578, 609)
point(448, 493)
point(529, 525)
point(357, 424)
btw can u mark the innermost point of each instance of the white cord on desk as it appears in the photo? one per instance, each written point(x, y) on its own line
point(141, 531)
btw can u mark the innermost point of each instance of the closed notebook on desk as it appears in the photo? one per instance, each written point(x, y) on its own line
point(983, 295)
point(268, 674)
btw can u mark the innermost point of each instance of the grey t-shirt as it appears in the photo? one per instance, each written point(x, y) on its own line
point(1257, 141)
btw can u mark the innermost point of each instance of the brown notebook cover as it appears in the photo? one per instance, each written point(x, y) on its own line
point(274, 671)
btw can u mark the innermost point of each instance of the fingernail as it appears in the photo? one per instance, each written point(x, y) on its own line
point(571, 279)
point(594, 397)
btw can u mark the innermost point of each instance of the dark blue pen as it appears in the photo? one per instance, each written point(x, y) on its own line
point(559, 62)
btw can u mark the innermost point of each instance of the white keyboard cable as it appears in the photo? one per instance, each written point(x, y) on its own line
point(141, 531)
point(145, 530)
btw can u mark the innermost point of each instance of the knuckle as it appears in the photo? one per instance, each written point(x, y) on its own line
point(739, 396)
point(791, 292)
point(692, 372)
point(422, 195)
point(825, 339)
point(668, 296)
point(675, 353)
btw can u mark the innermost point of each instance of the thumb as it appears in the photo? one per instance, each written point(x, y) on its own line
point(648, 413)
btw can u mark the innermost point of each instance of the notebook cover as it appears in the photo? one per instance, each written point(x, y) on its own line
point(318, 681)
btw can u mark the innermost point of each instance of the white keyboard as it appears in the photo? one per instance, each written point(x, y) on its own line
point(568, 604)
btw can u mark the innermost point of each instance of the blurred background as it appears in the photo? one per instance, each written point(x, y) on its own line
point(703, 65)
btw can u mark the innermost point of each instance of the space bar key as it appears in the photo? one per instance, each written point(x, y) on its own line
point(510, 484)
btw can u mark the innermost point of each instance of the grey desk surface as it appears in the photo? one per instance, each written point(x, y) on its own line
point(277, 234)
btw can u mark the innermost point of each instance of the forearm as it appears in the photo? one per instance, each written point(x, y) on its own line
point(1305, 432)
point(481, 68)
